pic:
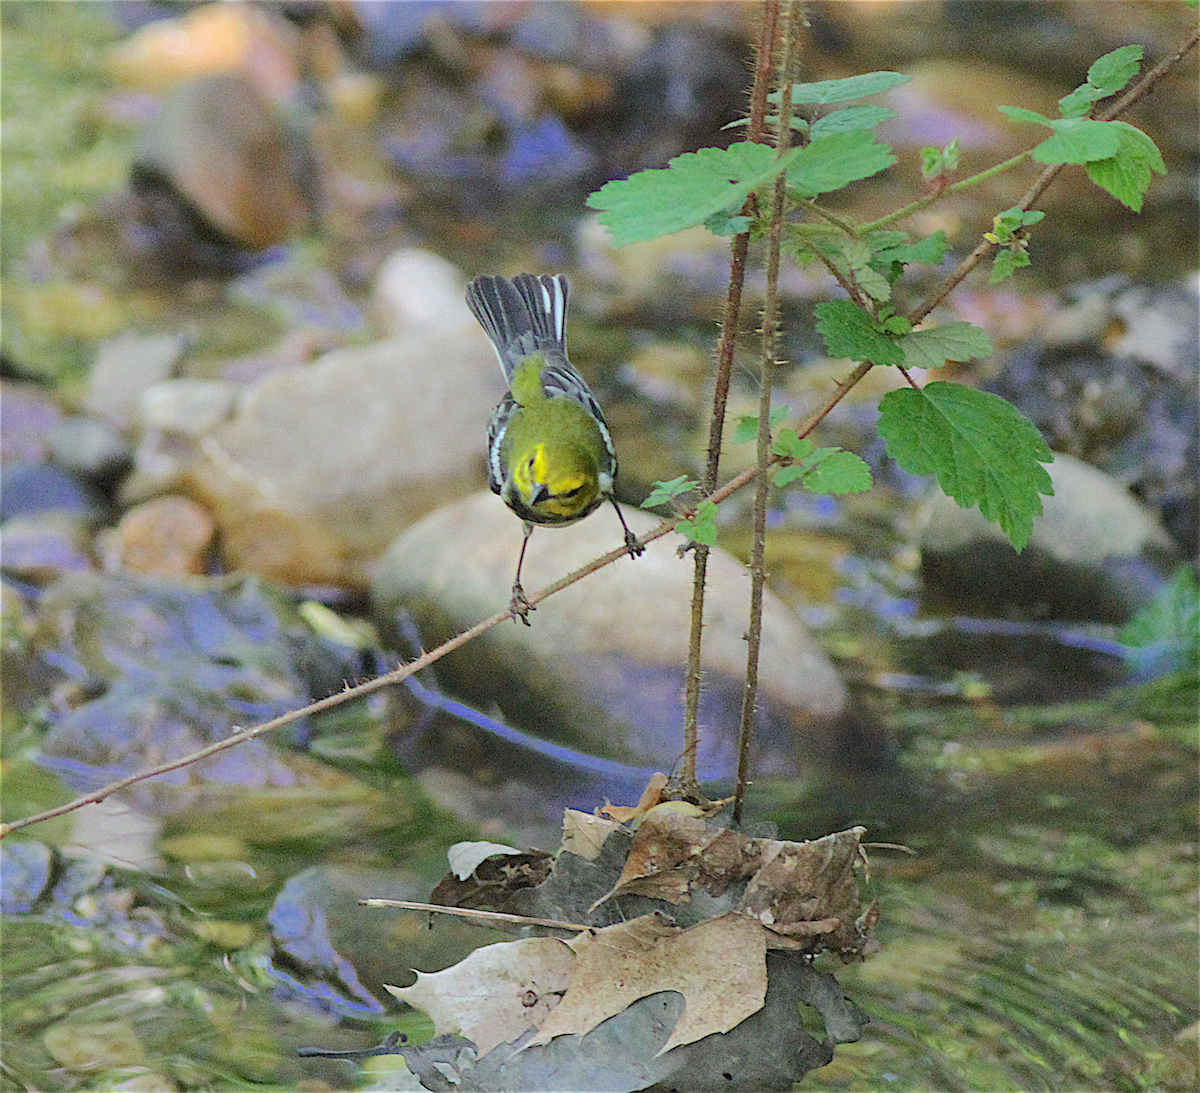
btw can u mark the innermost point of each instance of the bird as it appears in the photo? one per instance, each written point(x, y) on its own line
point(550, 453)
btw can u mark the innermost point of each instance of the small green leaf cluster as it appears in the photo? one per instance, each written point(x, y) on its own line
point(869, 265)
point(849, 330)
point(1008, 233)
point(667, 493)
point(1117, 156)
point(821, 470)
point(699, 526)
point(980, 448)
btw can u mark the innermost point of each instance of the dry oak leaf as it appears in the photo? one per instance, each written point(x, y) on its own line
point(497, 992)
point(584, 833)
point(719, 966)
point(673, 852)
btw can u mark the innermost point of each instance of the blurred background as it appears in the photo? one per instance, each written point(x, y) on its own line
point(244, 411)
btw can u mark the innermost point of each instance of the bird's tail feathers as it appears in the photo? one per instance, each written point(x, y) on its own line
point(520, 317)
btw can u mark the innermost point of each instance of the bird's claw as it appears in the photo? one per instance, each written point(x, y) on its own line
point(632, 545)
point(520, 606)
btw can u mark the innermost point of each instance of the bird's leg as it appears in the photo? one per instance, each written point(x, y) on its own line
point(520, 606)
point(631, 543)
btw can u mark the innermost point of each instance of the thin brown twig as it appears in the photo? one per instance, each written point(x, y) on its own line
point(484, 917)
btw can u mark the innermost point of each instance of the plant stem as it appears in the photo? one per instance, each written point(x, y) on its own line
point(953, 188)
point(729, 328)
point(770, 340)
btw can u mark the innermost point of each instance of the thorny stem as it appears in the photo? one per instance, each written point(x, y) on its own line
point(1143, 87)
point(729, 329)
point(770, 338)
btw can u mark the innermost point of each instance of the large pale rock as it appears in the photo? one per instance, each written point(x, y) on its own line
point(321, 466)
point(1096, 553)
point(601, 668)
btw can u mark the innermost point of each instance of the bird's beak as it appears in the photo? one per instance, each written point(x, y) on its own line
point(540, 493)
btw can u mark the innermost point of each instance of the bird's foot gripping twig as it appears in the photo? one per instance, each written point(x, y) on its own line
point(520, 606)
point(631, 542)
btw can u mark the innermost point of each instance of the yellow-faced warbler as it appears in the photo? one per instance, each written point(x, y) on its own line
point(550, 454)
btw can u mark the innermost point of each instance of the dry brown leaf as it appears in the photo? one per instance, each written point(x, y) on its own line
point(719, 966)
point(494, 881)
point(584, 834)
point(497, 992)
point(673, 851)
point(809, 889)
point(651, 796)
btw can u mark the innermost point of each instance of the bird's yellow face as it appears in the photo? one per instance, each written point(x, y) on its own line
point(556, 482)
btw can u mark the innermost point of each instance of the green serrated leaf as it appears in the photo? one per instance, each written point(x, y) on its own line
point(857, 252)
point(664, 493)
point(1019, 113)
point(837, 471)
point(851, 87)
point(728, 222)
point(848, 331)
point(702, 526)
point(790, 445)
point(1078, 140)
point(835, 161)
point(896, 324)
point(885, 239)
point(982, 449)
point(932, 348)
point(849, 119)
point(1127, 175)
point(930, 250)
point(1006, 263)
point(691, 188)
point(874, 284)
point(747, 426)
point(1114, 70)
point(1079, 101)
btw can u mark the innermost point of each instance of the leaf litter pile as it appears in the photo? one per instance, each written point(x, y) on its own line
point(663, 951)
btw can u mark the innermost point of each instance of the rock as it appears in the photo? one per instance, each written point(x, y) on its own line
point(601, 668)
point(211, 38)
point(125, 366)
point(186, 407)
point(90, 448)
point(174, 665)
point(173, 416)
point(44, 546)
point(234, 166)
point(1095, 554)
point(27, 414)
point(166, 537)
point(30, 488)
point(417, 292)
point(1114, 379)
point(321, 466)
